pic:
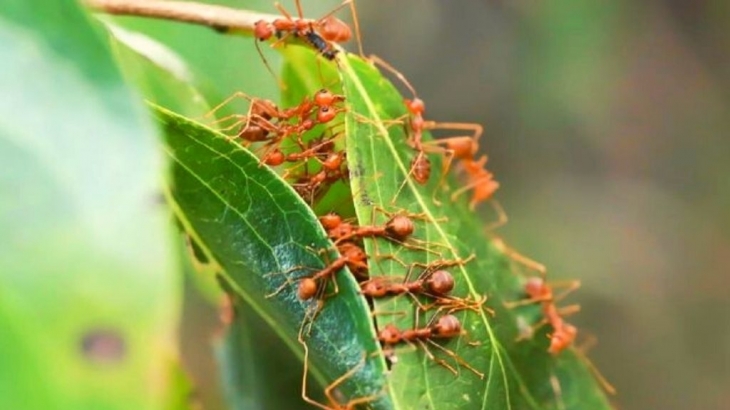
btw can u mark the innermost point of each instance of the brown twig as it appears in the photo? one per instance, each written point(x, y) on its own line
point(219, 18)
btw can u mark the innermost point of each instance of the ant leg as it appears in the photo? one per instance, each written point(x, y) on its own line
point(471, 185)
point(237, 94)
point(287, 282)
point(424, 216)
point(306, 398)
point(415, 246)
point(379, 61)
point(435, 359)
point(329, 390)
point(526, 302)
point(284, 12)
point(477, 129)
point(391, 256)
point(569, 310)
point(457, 358)
point(519, 258)
point(388, 313)
point(445, 263)
point(569, 286)
point(502, 218)
point(531, 330)
point(356, 23)
point(278, 80)
point(605, 384)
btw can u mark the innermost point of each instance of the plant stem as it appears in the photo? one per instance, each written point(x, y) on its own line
point(219, 18)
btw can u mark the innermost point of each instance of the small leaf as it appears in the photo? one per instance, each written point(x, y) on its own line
point(263, 236)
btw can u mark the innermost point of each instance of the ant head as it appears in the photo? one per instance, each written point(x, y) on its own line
point(330, 220)
point(263, 30)
point(400, 227)
point(447, 326)
point(415, 106)
point(374, 288)
point(325, 97)
point(326, 114)
point(333, 162)
point(334, 30)
point(274, 158)
point(440, 283)
point(390, 335)
point(307, 288)
point(535, 287)
point(562, 338)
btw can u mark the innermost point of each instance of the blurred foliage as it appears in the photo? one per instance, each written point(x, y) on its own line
point(607, 124)
point(90, 296)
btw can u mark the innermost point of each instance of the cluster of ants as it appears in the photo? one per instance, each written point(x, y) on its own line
point(283, 138)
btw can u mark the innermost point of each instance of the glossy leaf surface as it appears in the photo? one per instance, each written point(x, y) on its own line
point(263, 237)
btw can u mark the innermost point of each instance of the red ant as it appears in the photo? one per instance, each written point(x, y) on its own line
point(309, 185)
point(397, 229)
point(316, 150)
point(351, 256)
point(258, 126)
point(481, 182)
point(435, 284)
point(564, 333)
point(318, 33)
point(439, 327)
point(262, 111)
point(459, 147)
point(432, 283)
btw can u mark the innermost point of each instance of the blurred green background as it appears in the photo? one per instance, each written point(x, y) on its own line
point(607, 123)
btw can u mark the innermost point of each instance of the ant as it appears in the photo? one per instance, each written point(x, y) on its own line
point(351, 256)
point(309, 185)
point(458, 147)
point(439, 327)
point(436, 283)
point(317, 33)
point(564, 334)
point(397, 229)
point(258, 125)
point(317, 148)
point(264, 110)
point(482, 183)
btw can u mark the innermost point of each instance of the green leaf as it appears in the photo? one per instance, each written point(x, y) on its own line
point(257, 366)
point(254, 226)
point(88, 293)
point(159, 73)
point(517, 374)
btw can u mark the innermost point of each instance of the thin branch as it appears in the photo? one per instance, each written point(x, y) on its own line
point(219, 18)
